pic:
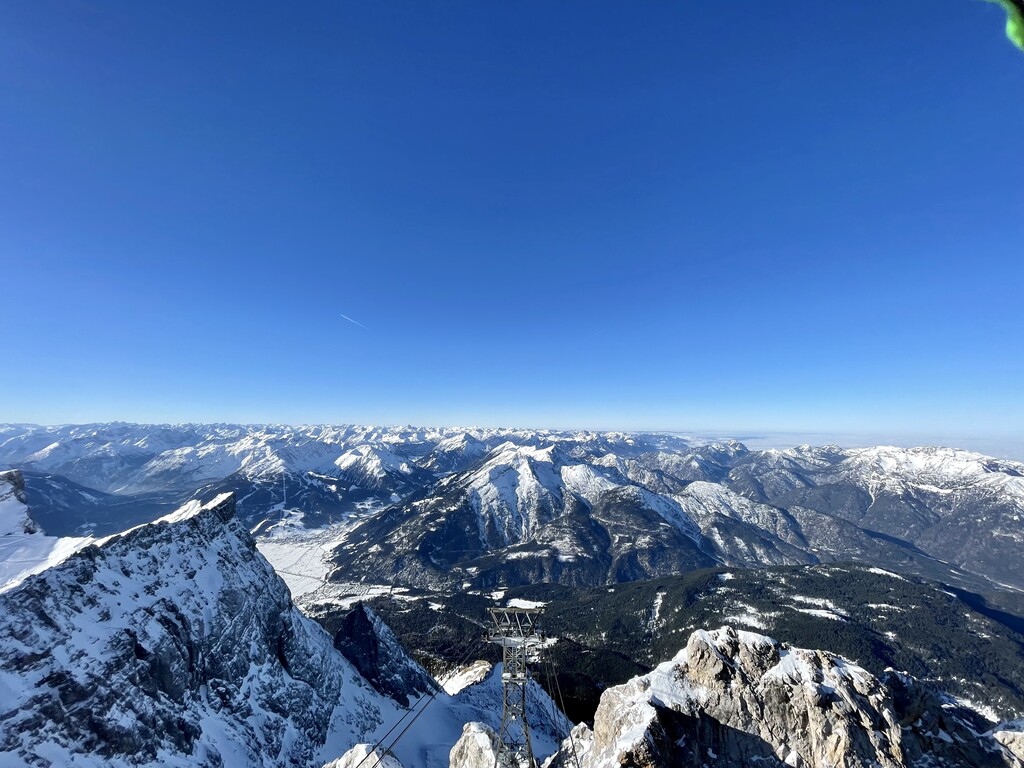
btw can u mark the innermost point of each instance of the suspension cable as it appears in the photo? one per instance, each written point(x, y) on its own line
point(572, 741)
point(429, 700)
point(440, 687)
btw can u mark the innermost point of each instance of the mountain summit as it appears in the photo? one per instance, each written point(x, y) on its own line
point(174, 644)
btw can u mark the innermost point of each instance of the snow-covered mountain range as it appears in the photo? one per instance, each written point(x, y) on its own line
point(131, 458)
point(130, 635)
point(555, 512)
point(504, 506)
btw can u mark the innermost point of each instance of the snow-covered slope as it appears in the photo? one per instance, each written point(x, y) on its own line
point(954, 505)
point(557, 512)
point(446, 705)
point(454, 454)
point(745, 532)
point(326, 472)
point(122, 458)
point(513, 493)
point(376, 468)
point(24, 548)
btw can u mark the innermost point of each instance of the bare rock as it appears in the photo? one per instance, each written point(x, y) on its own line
point(737, 698)
point(477, 747)
point(1011, 737)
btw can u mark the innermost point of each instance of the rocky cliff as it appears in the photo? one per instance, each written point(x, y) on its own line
point(372, 648)
point(172, 644)
point(14, 519)
point(737, 699)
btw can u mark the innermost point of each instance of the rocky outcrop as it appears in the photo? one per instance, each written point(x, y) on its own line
point(372, 648)
point(14, 519)
point(1011, 736)
point(477, 748)
point(737, 698)
point(176, 644)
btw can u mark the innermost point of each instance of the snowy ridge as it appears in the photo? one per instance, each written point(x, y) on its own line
point(519, 489)
point(945, 468)
point(530, 512)
point(372, 463)
point(454, 454)
point(134, 457)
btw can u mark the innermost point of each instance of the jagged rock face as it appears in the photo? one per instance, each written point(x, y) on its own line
point(171, 644)
point(736, 699)
point(175, 644)
point(372, 648)
point(477, 748)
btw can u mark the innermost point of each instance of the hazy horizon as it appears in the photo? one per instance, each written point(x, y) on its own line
point(1008, 445)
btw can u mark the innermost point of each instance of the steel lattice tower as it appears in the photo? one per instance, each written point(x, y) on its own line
point(516, 631)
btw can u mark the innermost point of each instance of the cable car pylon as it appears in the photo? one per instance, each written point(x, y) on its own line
point(518, 633)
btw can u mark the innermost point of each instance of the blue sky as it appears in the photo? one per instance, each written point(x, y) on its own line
point(670, 215)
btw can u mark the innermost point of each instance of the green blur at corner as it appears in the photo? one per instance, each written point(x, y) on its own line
point(1014, 21)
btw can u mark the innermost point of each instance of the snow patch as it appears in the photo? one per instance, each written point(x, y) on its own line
point(883, 572)
point(518, 602)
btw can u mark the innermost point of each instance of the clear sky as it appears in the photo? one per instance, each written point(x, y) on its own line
point(675, 215)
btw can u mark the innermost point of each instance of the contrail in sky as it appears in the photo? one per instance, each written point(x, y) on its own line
point(354, 322)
